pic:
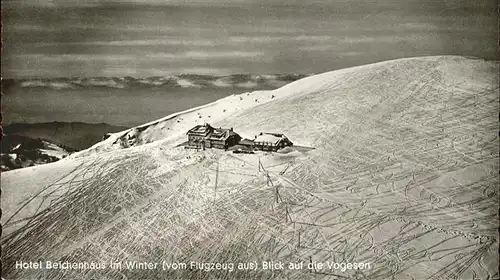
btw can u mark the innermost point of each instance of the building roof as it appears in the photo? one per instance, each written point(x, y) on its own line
point(269, 137)
point(201, 129)
point(211, 132)
point(274, 134)
point(221, 134)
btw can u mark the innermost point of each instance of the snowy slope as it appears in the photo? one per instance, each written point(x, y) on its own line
point(400, 73)
point(404, 176)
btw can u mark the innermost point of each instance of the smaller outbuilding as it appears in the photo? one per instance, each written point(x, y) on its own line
point(267, 141)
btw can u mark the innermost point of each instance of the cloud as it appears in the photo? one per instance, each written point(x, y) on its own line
point(119, 71)
point(216, 71)
point(206, 55)
point(327, 47)
point(382, 38)
point(98, 3)
point(269, 39)
point(197, 42)
point(351, 53)
point(123, 58)
point(343, 45)
point(157, 42)
point(368, 39)
point(226, 54)
point(75, 57)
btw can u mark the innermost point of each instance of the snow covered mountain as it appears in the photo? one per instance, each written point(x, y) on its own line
point(19, 151)
point(74, 135)
point(404, 177)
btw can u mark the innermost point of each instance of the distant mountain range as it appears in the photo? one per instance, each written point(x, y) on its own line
point(73, 135)
point(249, 81)
point(25, 145)
point(19, 151)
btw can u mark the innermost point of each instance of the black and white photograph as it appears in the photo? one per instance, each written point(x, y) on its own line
point(250, 139)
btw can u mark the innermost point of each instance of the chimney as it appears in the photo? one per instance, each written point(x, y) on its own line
point(231, 129)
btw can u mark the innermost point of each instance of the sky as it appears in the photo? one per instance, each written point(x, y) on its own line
point(140, 38)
